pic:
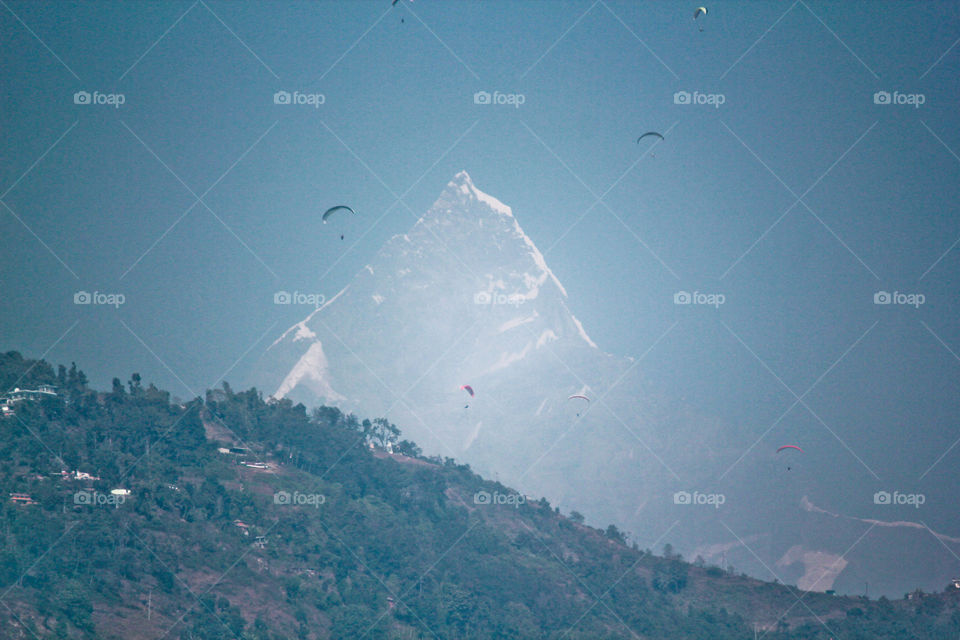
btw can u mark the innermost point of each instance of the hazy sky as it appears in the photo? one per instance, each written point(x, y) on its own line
point(793, 188)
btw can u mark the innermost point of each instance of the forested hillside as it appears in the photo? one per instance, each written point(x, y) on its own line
point(126, 515)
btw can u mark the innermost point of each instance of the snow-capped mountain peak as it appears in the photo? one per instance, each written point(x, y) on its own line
point(475, 206)
point(464, 185)
point(466, 264)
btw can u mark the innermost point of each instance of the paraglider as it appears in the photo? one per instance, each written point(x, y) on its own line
point(789, 446)
point(649, 133)
point(468, 389)
point(577, 396)
point(329, 212)
point(701, 11)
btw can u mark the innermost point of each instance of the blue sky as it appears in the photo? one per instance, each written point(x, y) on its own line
point(797, 198)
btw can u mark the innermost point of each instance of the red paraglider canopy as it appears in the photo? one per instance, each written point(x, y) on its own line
point(790, 446)
point(467, 388)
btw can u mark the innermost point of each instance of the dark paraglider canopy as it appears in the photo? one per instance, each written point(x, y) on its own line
point(340, 207)
point(649, 133)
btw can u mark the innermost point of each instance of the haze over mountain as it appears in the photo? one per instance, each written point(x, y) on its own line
point(465, 297)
